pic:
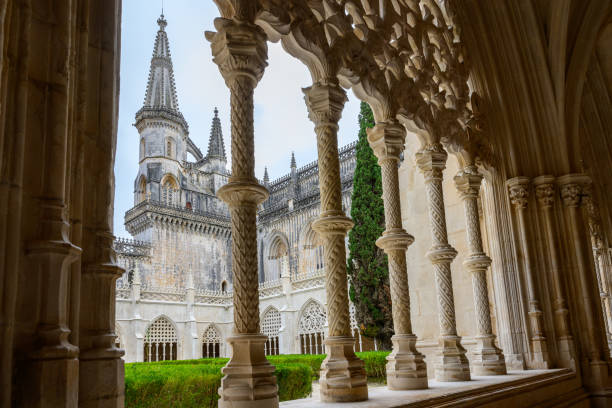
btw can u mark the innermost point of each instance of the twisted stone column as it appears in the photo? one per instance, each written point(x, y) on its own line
point(545, 194)
point(487, 359)
point(406, 367)
point(452, 364)
point(343, 375)
point(518, 190)
point(240, 50)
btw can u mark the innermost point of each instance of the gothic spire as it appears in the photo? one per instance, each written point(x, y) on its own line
point(216, 147)
point(266, 178)
point(160, 97)
point(293, 165)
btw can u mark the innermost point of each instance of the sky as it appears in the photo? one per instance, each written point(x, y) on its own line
point(281, 118)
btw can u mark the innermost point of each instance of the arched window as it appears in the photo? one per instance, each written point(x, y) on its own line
point(311, 328)
point(170, 148)
point(169, 189)
point(142, 189)
point(211, 343)
point(312, 251)
point(160, 342)
point(278, 256)
point(270, 326)
point(142, 148)
point(224, 286)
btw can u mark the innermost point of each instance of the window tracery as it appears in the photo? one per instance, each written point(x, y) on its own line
point(270, 326)
point(311, 328)
point(160, 342)
point(211, 342)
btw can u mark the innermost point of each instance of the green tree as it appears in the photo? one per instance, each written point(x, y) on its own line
point(367, 265)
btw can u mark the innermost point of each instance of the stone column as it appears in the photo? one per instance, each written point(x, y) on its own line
point(343, 375)
point(518, 189)
point(452, 364)
point(101, 369)
point(487, 358)
point(545, 194)
point(571, 186)
point(240, 51)
point(406, 369)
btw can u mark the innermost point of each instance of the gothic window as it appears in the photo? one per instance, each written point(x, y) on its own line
point(142, 189)
point(312, 255)
point(270, 326)
point(278, 257)
point(169, 148)
point(160, 342)
point(311, 328)
point(211, 343)
point(142, 148)
point(224, 287)
point(169, 190)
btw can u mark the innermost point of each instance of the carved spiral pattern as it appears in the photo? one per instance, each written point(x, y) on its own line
point(446, 303)
point(246, 285)
point(336, 285)
point(391, 195)
point(400, 296)
point(481, 301)
point(437, 216)
point(329, 168)
point(473, 225)
point(243, 143)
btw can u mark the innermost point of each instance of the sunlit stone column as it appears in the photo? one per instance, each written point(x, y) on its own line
point(518, 189)
point(487, 358)
point(240, 50)
point(406, 367)
point(545, 194)
point(452, 364)
point(343, 375)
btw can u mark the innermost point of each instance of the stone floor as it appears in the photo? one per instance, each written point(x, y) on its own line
point(466, 393)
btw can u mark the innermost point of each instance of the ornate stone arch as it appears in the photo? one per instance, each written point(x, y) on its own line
point(270, 326)
point(141, 189)
point(211, 341)
point(169, 187)
point(311, 327)
point(170, 147)
point(276, 256)
point(310, 249)
point(161, 340)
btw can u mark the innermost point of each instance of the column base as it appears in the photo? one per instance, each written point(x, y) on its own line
point(343, 377)
point(452, 364)
point(487, 359)
point(101, 382)
point(540, 358)
point(249, 380)
point(51, 383)
point(566, 353)
point(406, 368)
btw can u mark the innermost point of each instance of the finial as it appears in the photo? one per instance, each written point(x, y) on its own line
point(293, 159)
point(162, 21)
point(216, 112)
point(266, 177)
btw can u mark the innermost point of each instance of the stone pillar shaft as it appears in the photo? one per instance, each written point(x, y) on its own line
point(240, 50)
point(545, 194)
point(518, 189)
point(452, 364)
point(406, 368)
point(488, 359)
point(342, 377)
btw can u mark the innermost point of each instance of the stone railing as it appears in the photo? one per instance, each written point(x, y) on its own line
point(270, 288)
point(177, 211)
point(213, 297)
point(131, 247)
point(123, 290)
point(309, 280)
point(167, 294)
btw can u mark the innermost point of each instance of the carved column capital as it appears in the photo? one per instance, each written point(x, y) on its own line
point(572, 188)
point(468, 182)
point(431, 159)
point(325, 102)
point(545, 191)
point(518, 191)
point(387, 140)
point(239, 49)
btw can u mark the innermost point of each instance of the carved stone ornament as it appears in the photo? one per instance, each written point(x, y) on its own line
point(518, 191)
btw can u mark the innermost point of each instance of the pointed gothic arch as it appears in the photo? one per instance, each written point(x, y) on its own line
point(277, 256)
point(311, 327)
point(211, 342)
point(270, 326)
point(161, 341)
point(141, 189)
point(311, 257)
point(169, 189)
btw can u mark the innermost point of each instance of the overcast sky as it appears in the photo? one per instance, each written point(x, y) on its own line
point(281, 121)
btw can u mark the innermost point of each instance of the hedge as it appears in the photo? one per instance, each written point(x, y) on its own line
point(178, 384)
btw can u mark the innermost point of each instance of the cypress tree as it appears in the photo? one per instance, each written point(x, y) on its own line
point(367, 266)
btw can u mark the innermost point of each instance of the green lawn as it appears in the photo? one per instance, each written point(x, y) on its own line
point(194, 383)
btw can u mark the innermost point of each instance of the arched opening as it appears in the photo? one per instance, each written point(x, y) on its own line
point(278, 258)
point(142, 148)
point(311, 328)
point(224, 286)
point(169, 190)
point(312, 259)
point(141, 189)
point(160, 342)
point(270, 326)
point(211, 342)
point(170, 148)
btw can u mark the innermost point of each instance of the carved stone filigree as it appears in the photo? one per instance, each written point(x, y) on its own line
point(452, 363)
point(406, 368)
